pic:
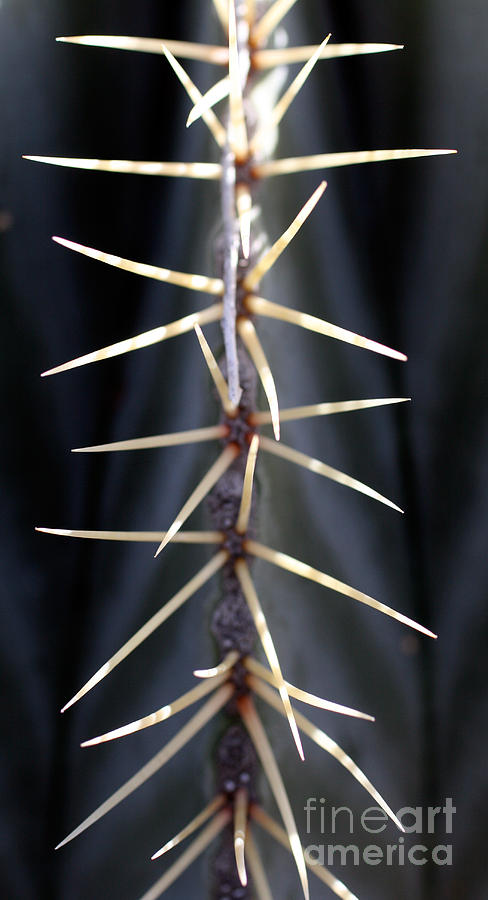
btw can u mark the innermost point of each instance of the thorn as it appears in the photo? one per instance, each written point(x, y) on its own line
point(258, 872)
point(192, 727)
point(267, 59)
point(272, 17)
point(263, 749)
point(161, 715)
point(182, 279)
point(331, 160)
point(288, 97)
point(203, 52)
point(251, 12)
point(208, 116)
point(222, 12)
point(146, 339)
point(193, 436)
point(195, 849)
point(322, 409)
point(237, 120)
point(256, 610)
point(216, 804)
point(315, 465)
point(246, 499)
point(247, 332)
point(215, 472)
point(227, 663)
point(323, 874)
point(208, 171)
point(262, 307)
point(327, 744)
point(148, 537)
point(270, 256)
point(241, 804)
point(283, 561)
point(217, 377)
point(190, 588)
point(217, 92)
point(256, 668)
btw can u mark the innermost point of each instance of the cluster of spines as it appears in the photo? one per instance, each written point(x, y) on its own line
point(238, 676)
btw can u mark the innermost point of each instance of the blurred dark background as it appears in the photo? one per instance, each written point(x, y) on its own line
point(395, 251)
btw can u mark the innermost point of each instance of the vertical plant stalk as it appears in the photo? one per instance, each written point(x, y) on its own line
point(238, 617)
point(231, 258)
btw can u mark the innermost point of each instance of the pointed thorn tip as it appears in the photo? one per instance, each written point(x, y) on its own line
point(160, 549)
